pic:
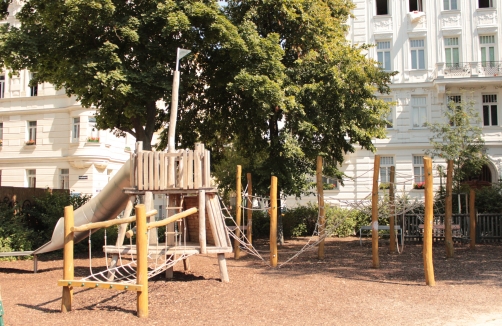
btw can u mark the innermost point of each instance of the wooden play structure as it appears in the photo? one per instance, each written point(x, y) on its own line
point(184, 177)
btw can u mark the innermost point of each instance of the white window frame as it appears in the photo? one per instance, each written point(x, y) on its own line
point(31, 178)
point(33, 89)
point(416, 5)
point(75, 129)
point(330, 180)
point(418, 169)
point(92, 132)
point(390, 116)
point(487, 45)
point(382, 4)
point(457, 99)
point(450, 45)
point(384, 55)
point(488, 2)
point(490, 110)
point(386, 162)
point(31, 132)
point(419, 111)
point(64, 178)
point(450, 4)
point(418, 54)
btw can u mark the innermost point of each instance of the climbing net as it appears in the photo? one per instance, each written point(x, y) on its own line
point(160, 258)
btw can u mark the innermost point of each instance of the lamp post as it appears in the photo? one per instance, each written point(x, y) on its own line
point(180, 53)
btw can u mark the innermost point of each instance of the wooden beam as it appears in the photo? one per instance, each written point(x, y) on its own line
point(320, 203)
point(428, 220)
point(273, 221)
point(171, 219)
point(142, 261)
point(105, 224)
point(238, 211)
point(101, 285)
point(68, 267)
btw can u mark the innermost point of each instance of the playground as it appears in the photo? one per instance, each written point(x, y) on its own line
point(343, 289)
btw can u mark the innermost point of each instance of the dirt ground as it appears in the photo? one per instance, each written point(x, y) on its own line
point(342, 289)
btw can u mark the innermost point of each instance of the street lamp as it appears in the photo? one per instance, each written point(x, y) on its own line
point(180, 53)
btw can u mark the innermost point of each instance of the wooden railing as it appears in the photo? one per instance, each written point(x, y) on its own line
point(185, 169)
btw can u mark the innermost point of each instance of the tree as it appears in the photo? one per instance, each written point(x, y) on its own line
point(459, 138)
point(115, 56)
point(299, 90)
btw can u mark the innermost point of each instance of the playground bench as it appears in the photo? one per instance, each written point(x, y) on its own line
point(22, 253)
point(367, 228)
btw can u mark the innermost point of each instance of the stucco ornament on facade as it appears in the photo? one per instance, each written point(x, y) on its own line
point(451, 21)
point(487, 19)
point(383, 25)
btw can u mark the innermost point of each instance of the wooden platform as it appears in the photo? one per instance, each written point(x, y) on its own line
point(190, 248)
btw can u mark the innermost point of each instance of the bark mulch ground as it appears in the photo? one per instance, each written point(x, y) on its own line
point(342, 289)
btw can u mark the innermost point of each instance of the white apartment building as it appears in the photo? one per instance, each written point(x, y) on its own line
point(442, 50)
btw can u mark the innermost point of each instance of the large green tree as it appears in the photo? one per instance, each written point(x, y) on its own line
point(116, 56)
point(299, 90)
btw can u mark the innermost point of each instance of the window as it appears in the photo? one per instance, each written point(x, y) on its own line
point(419, 111)
point(382, 7)
point(1, 133)
point(450, 4)
point(451, 50)
point(32, 132)
point(75, 130)
point(417, 54)
point(490, 117)
point(33, 89)
point(390, 116)
point(2, 86)
point(487, 43)
point(418, 169)
point(485, 3)
point(31, 178)
point(329, 183)
point(383, 54)
point(64, 179)
point(454, 100)
point(416, 5)
point(93, 132)
point(385, 164)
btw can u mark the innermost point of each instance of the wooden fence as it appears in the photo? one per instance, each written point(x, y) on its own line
point(185, 169)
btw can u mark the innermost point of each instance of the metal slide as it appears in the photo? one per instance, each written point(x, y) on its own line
point(105, 206)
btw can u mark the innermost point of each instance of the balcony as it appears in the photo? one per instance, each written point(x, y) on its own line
point(468, 69)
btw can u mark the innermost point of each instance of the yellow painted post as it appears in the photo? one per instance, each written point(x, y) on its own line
point(429, 211)
point(392, 211)
point(273, 222)
point(250, 209)
point(448, 211)
point(374, 213)
point(238, 210)
point(142, 263)
point(320, 202)
point(472, 217)
point(68, 268)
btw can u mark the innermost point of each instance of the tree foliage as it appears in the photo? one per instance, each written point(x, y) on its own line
point(458, 137)
point(298, 90)
point(115, 56)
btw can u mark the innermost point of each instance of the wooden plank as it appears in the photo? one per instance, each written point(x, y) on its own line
point(145, 170)
point(207, 166)
point(101, 285)
point(172, 218)
point(220, 223)
point(210, 216)
point(151, 171)
point(131, 169)
point(197, 167)
point(181, 170)
point(190, 169)
point(156, 165)
point(202, 221)
point(162, 183)
point(139, 171)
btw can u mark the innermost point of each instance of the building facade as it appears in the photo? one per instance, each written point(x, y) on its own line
point(442, 51)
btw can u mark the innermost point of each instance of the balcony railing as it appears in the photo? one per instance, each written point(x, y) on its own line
point(469, 69)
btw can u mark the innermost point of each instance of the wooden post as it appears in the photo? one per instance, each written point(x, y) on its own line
point(392, 211)
point(448, 211)
point(320, 203)
point(374, 213)
point(173, 201)
point(142, 263)
point(429, 211)
point(238, 204)
point(68, 274)
point(273, 221)
point(202, 221)
point(472, 218)
point(250, 209)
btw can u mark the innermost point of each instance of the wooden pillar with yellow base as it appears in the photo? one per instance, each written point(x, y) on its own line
point(68, 264)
